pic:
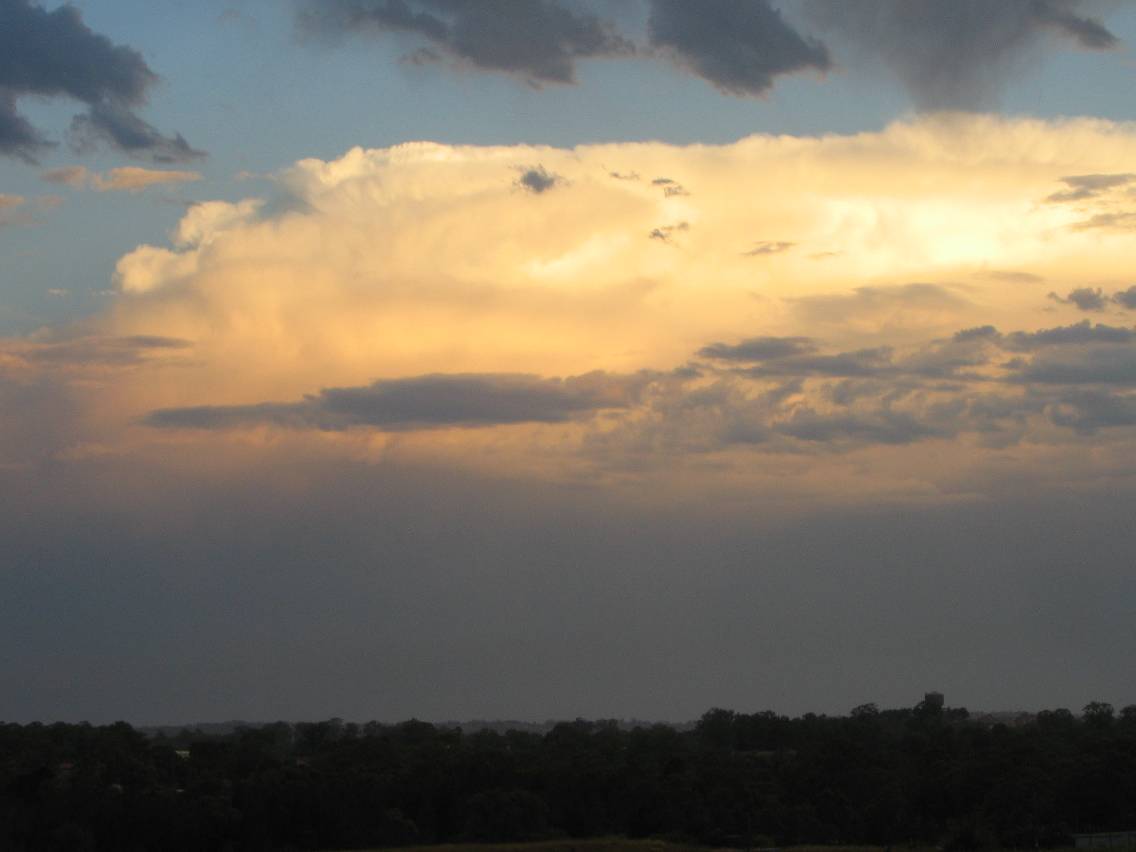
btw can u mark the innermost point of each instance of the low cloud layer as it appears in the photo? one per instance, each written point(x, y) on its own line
point(782, 394)
point(425, 402)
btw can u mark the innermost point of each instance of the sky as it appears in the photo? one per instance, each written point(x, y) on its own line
point(539, 359)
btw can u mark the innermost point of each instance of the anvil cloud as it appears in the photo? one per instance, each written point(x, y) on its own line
point(446, 404)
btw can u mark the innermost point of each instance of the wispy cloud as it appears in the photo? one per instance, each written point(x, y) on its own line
point(134, 179)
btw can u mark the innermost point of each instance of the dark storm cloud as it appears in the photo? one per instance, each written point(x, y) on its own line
point(538, 40)
point(759, 349)
point(783, 393)
point(17, 136)
point(423, 402)
point(1083, 298)
point(882, 426)
point(739, 46)
point(1083, 187)
point(982, 332)
point(1126, 298)
point(1078, 334)
point(942, 388)
point(874, 361)
point(1107, 365)
point(124, 130)
point(799, 356)
point(954, 55)
point(1087, 411)
point(54, 54)
point(538, 180)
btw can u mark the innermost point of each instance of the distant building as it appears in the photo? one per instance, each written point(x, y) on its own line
point(933, 700)
point(1106, 840)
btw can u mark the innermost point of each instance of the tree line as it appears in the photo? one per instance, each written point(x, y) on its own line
point(924, 775)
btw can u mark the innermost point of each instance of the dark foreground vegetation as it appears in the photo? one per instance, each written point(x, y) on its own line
point(927, 775)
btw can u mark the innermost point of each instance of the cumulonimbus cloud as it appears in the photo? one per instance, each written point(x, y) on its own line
point(434, 303)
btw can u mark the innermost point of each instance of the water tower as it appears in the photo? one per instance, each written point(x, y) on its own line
point(933, 700)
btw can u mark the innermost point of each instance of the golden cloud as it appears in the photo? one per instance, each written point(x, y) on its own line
point(367, 275)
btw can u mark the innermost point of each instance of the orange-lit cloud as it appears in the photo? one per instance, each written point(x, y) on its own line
point(124, 179)
point(832, 306)
point(134, 179)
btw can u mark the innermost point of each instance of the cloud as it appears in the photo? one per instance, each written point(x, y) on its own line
point(1084, 187)
point(96, 351)
point(1120, 221)
point(73, 176)
point(759, 349)
point(764, 248)
point(538, 180)
point(8, 209)
point(955, 55)
point(53, 53)
point(904, 304)
point(1126, 298)
point(1083, 298)
point(982, 332)
point(134, 179)
point(1077, 334)
point(426, 402)
point(539, 40)
point(1109, 365)
point(124, 179)
point(1087, 411)
point(1011, 276)
point(426, 260)
point(876, 361)
point(739, 47)
point(452, 518)
point(113, 123)
point(664, 232)
point(671, 187)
